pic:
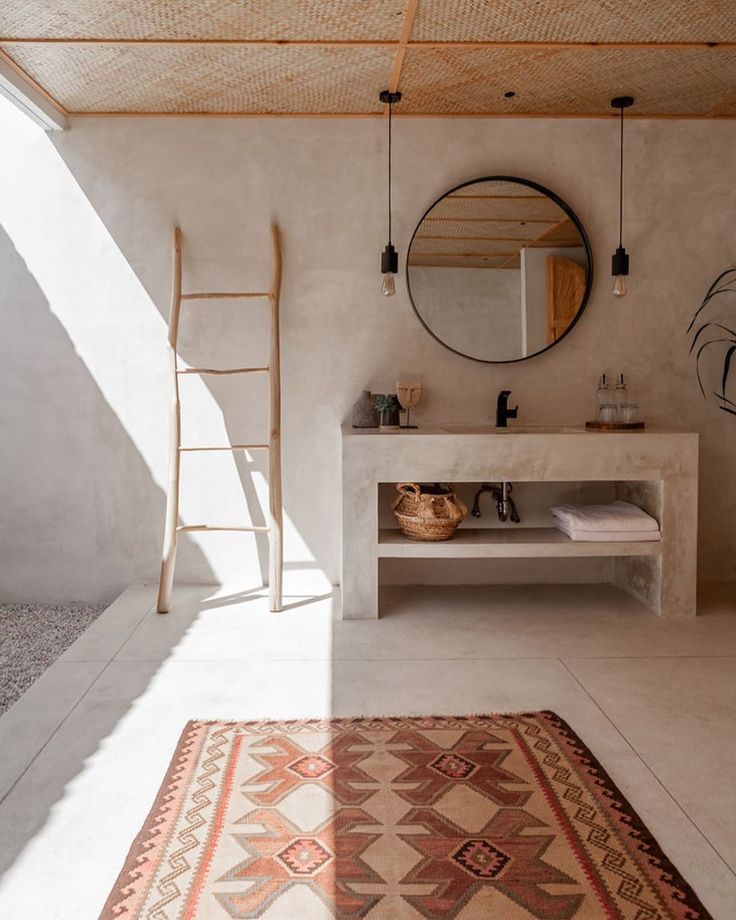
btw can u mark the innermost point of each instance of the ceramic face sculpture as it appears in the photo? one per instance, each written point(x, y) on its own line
point(409, 393)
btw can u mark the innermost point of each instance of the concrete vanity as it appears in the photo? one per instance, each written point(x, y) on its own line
point(656, 469)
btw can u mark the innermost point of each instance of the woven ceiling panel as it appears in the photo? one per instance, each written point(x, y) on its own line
point(181, 19)
point(727, 106)
point(501, 208)
point(434, 238)
point(221, 80)
point(434, 226)
point(496, 188)
point(423, 246)
point(486, 224)
point(571, 81)
point(575, 20)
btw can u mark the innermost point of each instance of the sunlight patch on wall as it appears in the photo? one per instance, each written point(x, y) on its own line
point(119, 336)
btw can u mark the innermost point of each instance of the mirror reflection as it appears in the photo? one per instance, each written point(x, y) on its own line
point(499, 269)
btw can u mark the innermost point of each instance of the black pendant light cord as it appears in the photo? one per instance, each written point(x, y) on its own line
point(620, 184)
point(389, 172)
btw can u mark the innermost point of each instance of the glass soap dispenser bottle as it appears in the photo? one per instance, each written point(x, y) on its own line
point(603, 398)
point(621, 397)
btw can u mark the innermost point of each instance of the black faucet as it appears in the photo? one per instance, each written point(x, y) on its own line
point(503, 413)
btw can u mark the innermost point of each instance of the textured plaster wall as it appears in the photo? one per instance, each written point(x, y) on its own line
point(84, 287)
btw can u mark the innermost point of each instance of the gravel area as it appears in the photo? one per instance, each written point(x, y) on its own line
point(32, 636)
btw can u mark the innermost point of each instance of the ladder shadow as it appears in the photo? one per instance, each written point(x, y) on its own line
point(245, 467)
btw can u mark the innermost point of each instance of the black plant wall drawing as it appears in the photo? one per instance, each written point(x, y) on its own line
point(711, 333)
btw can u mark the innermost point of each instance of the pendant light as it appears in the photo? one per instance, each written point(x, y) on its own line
point(389, 256)
point(620, 258)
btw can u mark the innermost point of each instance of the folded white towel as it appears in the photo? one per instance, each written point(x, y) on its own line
point(613, 517)
point(608, 536)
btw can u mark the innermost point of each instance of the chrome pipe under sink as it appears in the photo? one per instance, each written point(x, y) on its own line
point(501, 494)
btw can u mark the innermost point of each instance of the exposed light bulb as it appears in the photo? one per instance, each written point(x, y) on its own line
point(619, 286)
point(388, 285)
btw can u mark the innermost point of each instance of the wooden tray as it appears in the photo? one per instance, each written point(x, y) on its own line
point(615, 426)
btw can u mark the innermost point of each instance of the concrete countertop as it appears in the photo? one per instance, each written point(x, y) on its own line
point(468, 429)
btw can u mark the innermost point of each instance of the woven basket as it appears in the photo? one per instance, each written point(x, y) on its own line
point(428, 513)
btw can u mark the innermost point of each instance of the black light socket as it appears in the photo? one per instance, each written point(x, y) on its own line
point(389, 260)
point(389, 98)
point(620, 262)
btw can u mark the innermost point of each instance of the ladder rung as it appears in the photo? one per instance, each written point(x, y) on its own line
point(222, 371)
point(224, 295)
point(190, 528)
point(230, 447)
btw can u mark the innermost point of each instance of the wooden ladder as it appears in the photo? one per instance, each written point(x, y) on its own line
point(172, 527)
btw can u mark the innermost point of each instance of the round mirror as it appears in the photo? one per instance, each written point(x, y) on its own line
point(499, 269)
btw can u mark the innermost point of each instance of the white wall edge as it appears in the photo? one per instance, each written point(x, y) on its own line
point(29, 100)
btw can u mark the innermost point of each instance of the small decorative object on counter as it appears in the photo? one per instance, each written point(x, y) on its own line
point(364, 413)
point(621, 396)
point(616, 412)
point(388, 410)
point(629, 413)
point(608, 412)
point(409, 393)
point(617, 425)
point(603, 397)
point(428, 513)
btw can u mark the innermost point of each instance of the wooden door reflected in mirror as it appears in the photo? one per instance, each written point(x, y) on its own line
point(565, 287)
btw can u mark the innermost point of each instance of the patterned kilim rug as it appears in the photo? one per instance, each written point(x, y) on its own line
point(501, 816)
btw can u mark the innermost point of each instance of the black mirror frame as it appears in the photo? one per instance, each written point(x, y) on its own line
point(583, 236)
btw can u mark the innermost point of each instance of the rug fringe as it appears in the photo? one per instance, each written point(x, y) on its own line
point(410, 715)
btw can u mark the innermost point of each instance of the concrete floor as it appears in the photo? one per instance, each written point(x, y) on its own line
point(83, 752)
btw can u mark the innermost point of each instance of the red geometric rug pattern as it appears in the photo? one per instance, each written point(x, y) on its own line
point(505, 816)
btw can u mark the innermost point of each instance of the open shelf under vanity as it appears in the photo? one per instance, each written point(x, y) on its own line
point(507, 543)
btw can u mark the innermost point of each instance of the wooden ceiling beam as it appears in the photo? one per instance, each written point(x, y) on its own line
point(495, 220)
point(554, 244)
point(508, 263)
point(406, 27)
point(469, 255)
point(654, 116)
point(479, 239)
point(399, 43)
point(503, 265)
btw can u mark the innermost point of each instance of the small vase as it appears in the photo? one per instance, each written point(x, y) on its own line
point(364, 413)
point(390, 418)
point(388, 410)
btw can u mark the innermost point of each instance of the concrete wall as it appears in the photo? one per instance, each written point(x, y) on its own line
point(84, 286)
